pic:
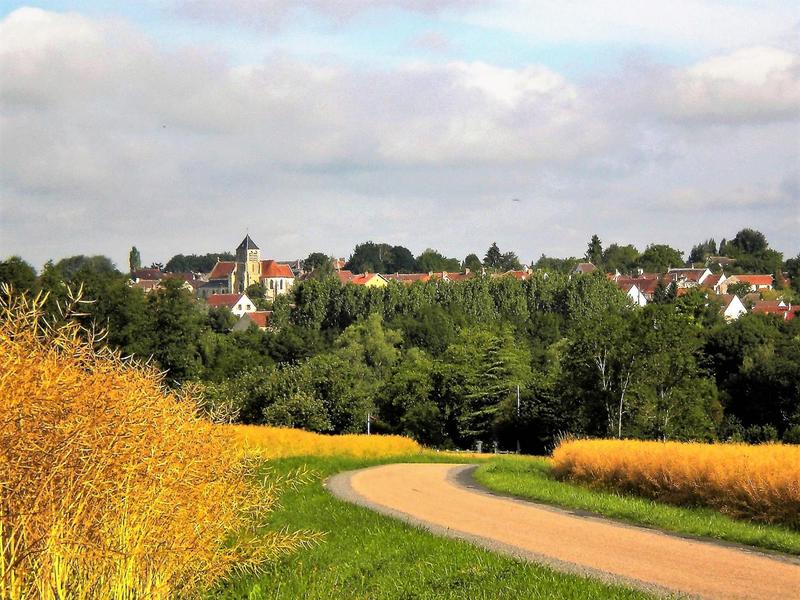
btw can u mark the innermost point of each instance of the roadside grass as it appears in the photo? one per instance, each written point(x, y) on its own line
point(531, 478)
point(367, 555)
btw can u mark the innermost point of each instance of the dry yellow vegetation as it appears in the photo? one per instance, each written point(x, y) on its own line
point(280, 442)
point(110, 486)
point(761, 483)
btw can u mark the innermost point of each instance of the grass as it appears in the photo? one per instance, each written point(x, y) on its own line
point(367, 555)
point(532, 479)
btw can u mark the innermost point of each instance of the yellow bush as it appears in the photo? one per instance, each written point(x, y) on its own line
point(279, 442)
point(111, 487)
point(761, 483)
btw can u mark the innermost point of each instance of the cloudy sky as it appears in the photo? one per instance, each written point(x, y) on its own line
point(178, 125)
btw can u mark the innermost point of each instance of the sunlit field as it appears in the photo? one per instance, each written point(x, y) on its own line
point(111, 486)
point(760, 483)
point(281, 442)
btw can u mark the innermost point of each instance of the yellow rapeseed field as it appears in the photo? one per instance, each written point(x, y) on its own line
point(110, 486)
point(280, 442)
point(761, 483)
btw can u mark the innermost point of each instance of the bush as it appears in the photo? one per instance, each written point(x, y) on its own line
point(754, 482)
point(111, 486)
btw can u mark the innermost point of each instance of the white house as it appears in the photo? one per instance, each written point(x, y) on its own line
point(732, 307)
point(238, 303)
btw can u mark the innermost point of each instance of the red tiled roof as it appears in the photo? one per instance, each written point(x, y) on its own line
point(149, 274)
point(344, 276)
point(270, 268)
point(222, 269)
point(146, 285)
point(754, 279)
point(260, 317)
point(773, 307)
point(407, 277)
point(688, 274)
point(228, 300)
point(521, 275)
point(711, 281)
point(362, 278)
point(585, 267)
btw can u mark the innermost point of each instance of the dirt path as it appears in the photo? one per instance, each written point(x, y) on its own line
point(443, 498)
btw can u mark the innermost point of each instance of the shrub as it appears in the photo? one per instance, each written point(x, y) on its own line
point(279, 442)
point(755, 482)
point(111, 486)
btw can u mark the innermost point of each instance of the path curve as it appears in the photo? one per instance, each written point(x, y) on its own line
point(444, 499)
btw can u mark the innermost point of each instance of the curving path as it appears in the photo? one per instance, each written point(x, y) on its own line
point(444, 499)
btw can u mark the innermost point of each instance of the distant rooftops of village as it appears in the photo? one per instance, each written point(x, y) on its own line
point(230, 281)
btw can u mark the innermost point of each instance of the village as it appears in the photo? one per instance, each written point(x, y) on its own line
point(244, 283)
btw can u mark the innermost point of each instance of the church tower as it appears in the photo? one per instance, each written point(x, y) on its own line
point(248, 264)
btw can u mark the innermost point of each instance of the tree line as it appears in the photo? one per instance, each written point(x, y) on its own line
point(444, 362)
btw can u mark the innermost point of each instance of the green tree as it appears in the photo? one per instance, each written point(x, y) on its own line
point(660, 257)
point(134, 260)
point(195, 263)
point(594, 251)
point(621, 258)
point(71, 266)
point(473, 263)
point(493, 258)
point(257, 292)
point(748, 241)
point(509, 261)
point(18, 274)
point(177, 325)
point(316, 260)
point(702, 251)
point(431, 261)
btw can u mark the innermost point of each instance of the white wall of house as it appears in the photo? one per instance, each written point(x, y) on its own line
point(277, 286)
point(734, 310)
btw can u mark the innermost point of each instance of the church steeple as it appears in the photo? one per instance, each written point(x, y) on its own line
point(247, 244)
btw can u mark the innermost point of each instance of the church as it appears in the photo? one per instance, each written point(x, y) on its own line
point(235, 276)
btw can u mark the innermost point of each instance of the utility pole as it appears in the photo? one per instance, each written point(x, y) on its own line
point(369, 418)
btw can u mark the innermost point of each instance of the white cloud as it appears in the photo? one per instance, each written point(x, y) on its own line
point(686, 23)
point(108, 141)
point(749, 85)
point(274, 13)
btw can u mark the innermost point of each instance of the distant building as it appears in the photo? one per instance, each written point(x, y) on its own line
point(757, 283)
point(235, 276)
point(239, 304)
point(259, 318)
point(732, 307)
point(584, 268)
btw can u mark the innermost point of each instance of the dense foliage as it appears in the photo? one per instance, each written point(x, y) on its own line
point(443, 361)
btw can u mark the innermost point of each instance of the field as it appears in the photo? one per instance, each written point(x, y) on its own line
point(758, 483)
point(279, 442)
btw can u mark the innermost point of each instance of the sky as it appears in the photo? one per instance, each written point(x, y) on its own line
point(178, 126)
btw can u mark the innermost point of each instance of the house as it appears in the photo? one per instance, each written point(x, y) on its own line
point(756, 282)
point(365, 279)
point(584, 268)
point(407, 278)
point(646, 285)
point(149, 280)
point(518, 275)
point(714, 282)
point(239, 304)
point(259, 318)
point(636, 296)
point(235, 276)
point(732, 307)
point(685, 278)
point(775, 307)
point(722, 261)
point(445, 276)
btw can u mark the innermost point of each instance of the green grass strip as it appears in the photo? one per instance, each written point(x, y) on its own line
point(531, 479)
point(367, 555)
